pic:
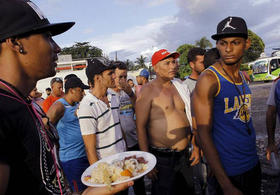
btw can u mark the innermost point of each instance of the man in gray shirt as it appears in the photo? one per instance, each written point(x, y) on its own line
point(195, 60)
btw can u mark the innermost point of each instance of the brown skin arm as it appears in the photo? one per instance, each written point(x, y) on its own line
point(90, 146)
point(4, 177)
point(143, 107)
point(270, 127)
point(56, 112)
point(202, 101)
point(108, 190)
point(195, 156)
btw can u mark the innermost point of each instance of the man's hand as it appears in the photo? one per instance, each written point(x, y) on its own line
point(195, 157)
point(153, 174)
point(125, 86)
point(108, 190)
point(271, 148)
point(232, 191)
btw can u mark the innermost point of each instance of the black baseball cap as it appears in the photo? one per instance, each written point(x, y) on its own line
point(74, 82)
point(20, 17)
point(97, 65)
point(231, 27)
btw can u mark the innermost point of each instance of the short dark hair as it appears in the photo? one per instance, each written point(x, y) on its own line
point(193, 52)
point(48, 89)
point(129, 80)
point(119, 64)
point(69, 76)
point(210, 57)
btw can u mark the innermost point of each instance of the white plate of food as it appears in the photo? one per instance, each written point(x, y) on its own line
point(119, 168)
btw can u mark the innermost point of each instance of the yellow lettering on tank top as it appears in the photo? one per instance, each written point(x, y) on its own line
point(227, 109)
point(236, 103)
point(248, 100)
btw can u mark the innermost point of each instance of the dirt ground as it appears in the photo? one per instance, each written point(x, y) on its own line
point(270, 177)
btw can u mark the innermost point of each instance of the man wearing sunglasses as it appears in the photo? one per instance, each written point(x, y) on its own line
point(222, 104)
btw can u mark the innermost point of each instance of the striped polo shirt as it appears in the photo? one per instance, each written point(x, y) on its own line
point(96, 118)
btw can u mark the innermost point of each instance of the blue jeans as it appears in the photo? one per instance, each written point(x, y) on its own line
point(73, 170)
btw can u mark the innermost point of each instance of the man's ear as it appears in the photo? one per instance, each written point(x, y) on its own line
point(15, 45)
point(248, 44)
point(192, 65)
point(96, 78)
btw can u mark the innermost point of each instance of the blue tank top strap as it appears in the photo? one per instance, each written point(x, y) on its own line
point(217, 75)
point(63, 101)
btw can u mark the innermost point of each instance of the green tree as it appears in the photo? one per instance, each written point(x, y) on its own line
point(140, 62)
point(81, 50)
point(203, 43)
point(257, 47)
point(184, 68)
point(129, 64)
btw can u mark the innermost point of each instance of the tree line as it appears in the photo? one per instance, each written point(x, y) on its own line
point(83, 50)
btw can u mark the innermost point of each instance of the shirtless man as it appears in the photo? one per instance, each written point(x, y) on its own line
point(163, 127)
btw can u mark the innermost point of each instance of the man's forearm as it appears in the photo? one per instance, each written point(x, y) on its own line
point(213, 159)
point(142, 139)
point(271, 124)
point(92, 156)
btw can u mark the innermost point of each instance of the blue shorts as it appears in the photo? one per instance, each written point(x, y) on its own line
point(73, 170)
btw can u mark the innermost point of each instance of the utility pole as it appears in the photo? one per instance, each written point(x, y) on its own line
point(116, 56)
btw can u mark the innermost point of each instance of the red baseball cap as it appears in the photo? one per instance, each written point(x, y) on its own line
point(162, 54)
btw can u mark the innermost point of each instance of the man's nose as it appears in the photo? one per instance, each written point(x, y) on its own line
point(228, 48)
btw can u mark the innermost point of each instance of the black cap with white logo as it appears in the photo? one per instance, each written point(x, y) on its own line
point(231, 27)
point(19, 17)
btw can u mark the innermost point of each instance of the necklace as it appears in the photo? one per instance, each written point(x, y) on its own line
point(242, 96)
point(36, 117)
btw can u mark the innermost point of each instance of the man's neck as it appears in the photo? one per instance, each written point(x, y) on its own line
point(194, 75)
point(116, 89)
point(55, 95)
point(231, 70)
point(163, 82)
point(99, 91)
point(23, 87)
point(69, 100)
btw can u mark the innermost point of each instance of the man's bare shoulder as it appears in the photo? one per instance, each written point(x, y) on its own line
point(207, 83)
point(57, 107)
point(207, 76)
point(148, 88)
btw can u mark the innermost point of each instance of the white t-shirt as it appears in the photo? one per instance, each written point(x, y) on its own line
point(96, 118)
point(190, 83)
point(271, 97)
point(126, 117)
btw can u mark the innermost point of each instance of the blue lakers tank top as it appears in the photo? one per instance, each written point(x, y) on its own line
point(236, 147)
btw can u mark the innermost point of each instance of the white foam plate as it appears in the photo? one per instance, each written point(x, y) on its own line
point(150, 158)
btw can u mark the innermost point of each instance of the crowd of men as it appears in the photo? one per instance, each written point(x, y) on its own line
point(203, 121)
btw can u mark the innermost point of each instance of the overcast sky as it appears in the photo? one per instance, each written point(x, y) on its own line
point(140, 27)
